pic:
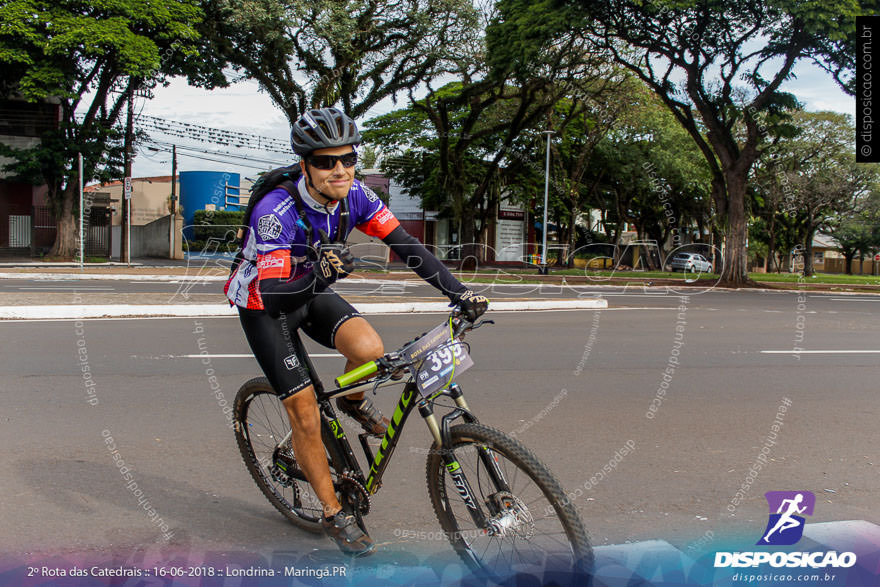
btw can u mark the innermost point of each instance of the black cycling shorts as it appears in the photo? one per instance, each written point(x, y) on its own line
point(277, 346)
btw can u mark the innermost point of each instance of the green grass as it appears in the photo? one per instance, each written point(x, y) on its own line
point(527, 273)
point(819, 278)
point(519, 275)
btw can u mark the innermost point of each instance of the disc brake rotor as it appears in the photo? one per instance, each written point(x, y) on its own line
point(513, 517)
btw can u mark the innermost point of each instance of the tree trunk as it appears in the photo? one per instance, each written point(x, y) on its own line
point(848, 259)
point(469, 249)
point(572, 235)
point(771, 246)
point(65, 237)
point(808, 253)
point(735, 258)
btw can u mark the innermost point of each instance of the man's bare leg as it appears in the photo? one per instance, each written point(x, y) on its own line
point(359, 343)
point(305, 421)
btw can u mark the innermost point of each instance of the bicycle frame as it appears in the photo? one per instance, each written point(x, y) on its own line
point(343, 458)
point(334, 436)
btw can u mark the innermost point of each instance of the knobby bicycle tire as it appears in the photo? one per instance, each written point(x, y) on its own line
point(243, 400)
point(580, 559)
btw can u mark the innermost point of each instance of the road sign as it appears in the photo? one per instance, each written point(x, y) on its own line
point(127, 188)
point(877, 257)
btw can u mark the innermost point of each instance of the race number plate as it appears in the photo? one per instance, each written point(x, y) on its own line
point(442, 359)
point(441, 365)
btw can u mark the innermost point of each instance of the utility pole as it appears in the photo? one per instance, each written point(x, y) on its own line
point(543, 269)
point(82, 236)
point(173, 223)
point(125, 246)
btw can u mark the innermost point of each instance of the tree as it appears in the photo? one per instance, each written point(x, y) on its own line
point(468, 128)
point(89, 56)
point(695, 55)
point(858, 233)
point(587, 111)
point(310, 54)
point(819, 166)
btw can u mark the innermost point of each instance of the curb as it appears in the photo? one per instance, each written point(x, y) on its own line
point(71, 312)
point(677, 288)
point(112, 277)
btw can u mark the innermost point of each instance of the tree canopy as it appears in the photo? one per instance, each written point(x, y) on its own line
point(88, 57)
point(718, 66)
point(315, 53)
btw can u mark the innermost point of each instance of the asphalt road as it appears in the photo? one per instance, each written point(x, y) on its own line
point(178, 289)
point(575, 386)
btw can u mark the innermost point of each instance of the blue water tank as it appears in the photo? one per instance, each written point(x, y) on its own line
point(201, 189)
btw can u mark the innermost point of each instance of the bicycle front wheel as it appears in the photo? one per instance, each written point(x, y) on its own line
point(532, 529)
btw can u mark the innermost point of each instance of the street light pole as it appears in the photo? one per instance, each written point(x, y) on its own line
point(546, 197)
point(125, 245)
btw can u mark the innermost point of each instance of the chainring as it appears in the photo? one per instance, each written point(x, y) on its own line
point(354, 492)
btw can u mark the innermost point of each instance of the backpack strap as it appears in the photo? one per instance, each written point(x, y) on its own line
point(303, 222)
point(341, 230)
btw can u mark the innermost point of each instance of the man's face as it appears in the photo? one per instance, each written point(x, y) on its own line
point(335, 182)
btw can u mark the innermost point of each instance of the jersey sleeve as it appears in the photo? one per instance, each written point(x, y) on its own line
point(273, 224)
point(372, 216)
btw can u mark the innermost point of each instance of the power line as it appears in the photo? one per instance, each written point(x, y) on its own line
point(217, 153)
point(211, 135)
point(249, 166)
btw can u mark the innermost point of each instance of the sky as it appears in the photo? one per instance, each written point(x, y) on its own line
point(244, 108)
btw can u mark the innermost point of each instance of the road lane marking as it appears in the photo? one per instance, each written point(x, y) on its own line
point(856, 299)
point(242, 356)
point(225, 356)
point(824, 352)
point(74, 288)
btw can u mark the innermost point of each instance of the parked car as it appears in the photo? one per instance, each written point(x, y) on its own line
point(690, 262)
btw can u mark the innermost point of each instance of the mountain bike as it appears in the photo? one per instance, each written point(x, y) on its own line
point(500, 507)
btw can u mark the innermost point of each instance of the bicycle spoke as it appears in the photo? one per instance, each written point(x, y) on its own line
point(524, 536)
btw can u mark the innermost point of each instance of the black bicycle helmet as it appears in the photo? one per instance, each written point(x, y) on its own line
point(321, 128)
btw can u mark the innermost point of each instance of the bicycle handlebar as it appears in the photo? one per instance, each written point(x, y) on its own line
point(357, 373)
point(461, 326)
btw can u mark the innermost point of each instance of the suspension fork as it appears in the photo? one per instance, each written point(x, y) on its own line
point(443, 440)
point(487, 457)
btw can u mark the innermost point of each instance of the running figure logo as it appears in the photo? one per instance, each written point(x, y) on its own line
point(785, 526)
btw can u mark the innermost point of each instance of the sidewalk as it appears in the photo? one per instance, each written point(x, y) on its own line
point(216, 268)
point(88, 303)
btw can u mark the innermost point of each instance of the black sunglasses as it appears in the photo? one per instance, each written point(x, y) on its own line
point(329, 161)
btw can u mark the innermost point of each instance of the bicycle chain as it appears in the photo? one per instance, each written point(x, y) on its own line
point(347, 478)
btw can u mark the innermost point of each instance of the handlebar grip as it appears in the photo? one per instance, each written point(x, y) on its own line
point(357, 373)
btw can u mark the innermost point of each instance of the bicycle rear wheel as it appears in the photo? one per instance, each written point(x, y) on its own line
point(535, 531)
point(262, 431)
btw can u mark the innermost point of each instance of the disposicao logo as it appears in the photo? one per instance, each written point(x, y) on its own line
point(785, 527)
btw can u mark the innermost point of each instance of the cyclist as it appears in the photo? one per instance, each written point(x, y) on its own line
point(283, 284)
